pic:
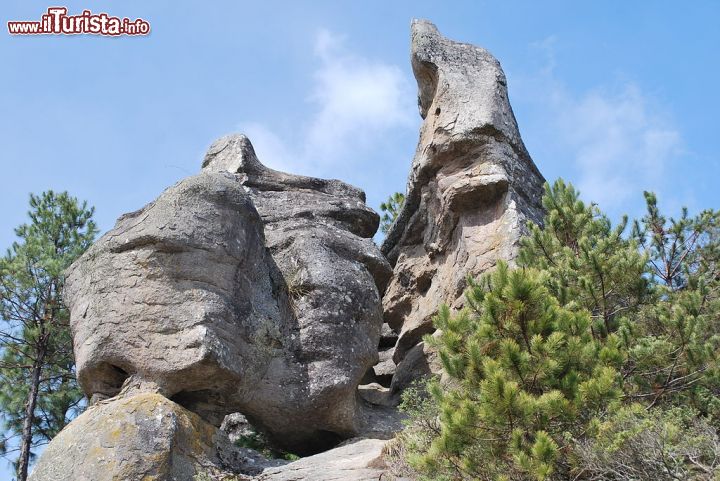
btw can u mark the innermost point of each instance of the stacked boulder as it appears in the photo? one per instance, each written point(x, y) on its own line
point(240, 289)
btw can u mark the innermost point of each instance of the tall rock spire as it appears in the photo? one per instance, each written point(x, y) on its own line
point(471, 190)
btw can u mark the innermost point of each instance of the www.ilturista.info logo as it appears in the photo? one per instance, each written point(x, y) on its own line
point(57, 22)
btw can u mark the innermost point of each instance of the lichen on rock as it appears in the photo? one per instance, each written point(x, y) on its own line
point(143, 437)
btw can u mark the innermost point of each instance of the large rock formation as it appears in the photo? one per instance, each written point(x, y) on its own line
point(202, 299)
point(471, 190)
point(248, 290)
point(148, 437)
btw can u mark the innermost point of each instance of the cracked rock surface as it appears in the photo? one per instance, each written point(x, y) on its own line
point(319, 235)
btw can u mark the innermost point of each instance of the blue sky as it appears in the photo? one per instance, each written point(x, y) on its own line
point(615, 96)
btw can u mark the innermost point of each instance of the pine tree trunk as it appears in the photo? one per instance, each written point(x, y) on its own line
point(27, 434)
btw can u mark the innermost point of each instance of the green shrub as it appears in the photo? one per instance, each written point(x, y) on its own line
point(657, 444)
point(526, 370)
point(259, 443)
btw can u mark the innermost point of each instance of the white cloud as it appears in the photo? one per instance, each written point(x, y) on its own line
point(356, 99)
point(618, 137)
point(621, 145)
point(355, 103)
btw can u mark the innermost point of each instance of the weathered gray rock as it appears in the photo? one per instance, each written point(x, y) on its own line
point(360, 460)
point(236, 427)
point(182, 298)
point(147, 437)
point(319, 233)
point(251, 291)
point(143, 437)
point(388, 337)
point(375, 393)
point(385, 369)
point(471, 189)
point(248, 290)
point(420, 362)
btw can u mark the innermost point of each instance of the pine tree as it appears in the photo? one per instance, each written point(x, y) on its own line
point(589, 263)
point(680, 250)
point(39, 388)
point(524, 371)
point(391, 209)
point(597, 358)
point(674, 341)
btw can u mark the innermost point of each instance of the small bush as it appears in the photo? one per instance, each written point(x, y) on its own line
point(421, 427)
point(259, 443)
point(657, 444)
